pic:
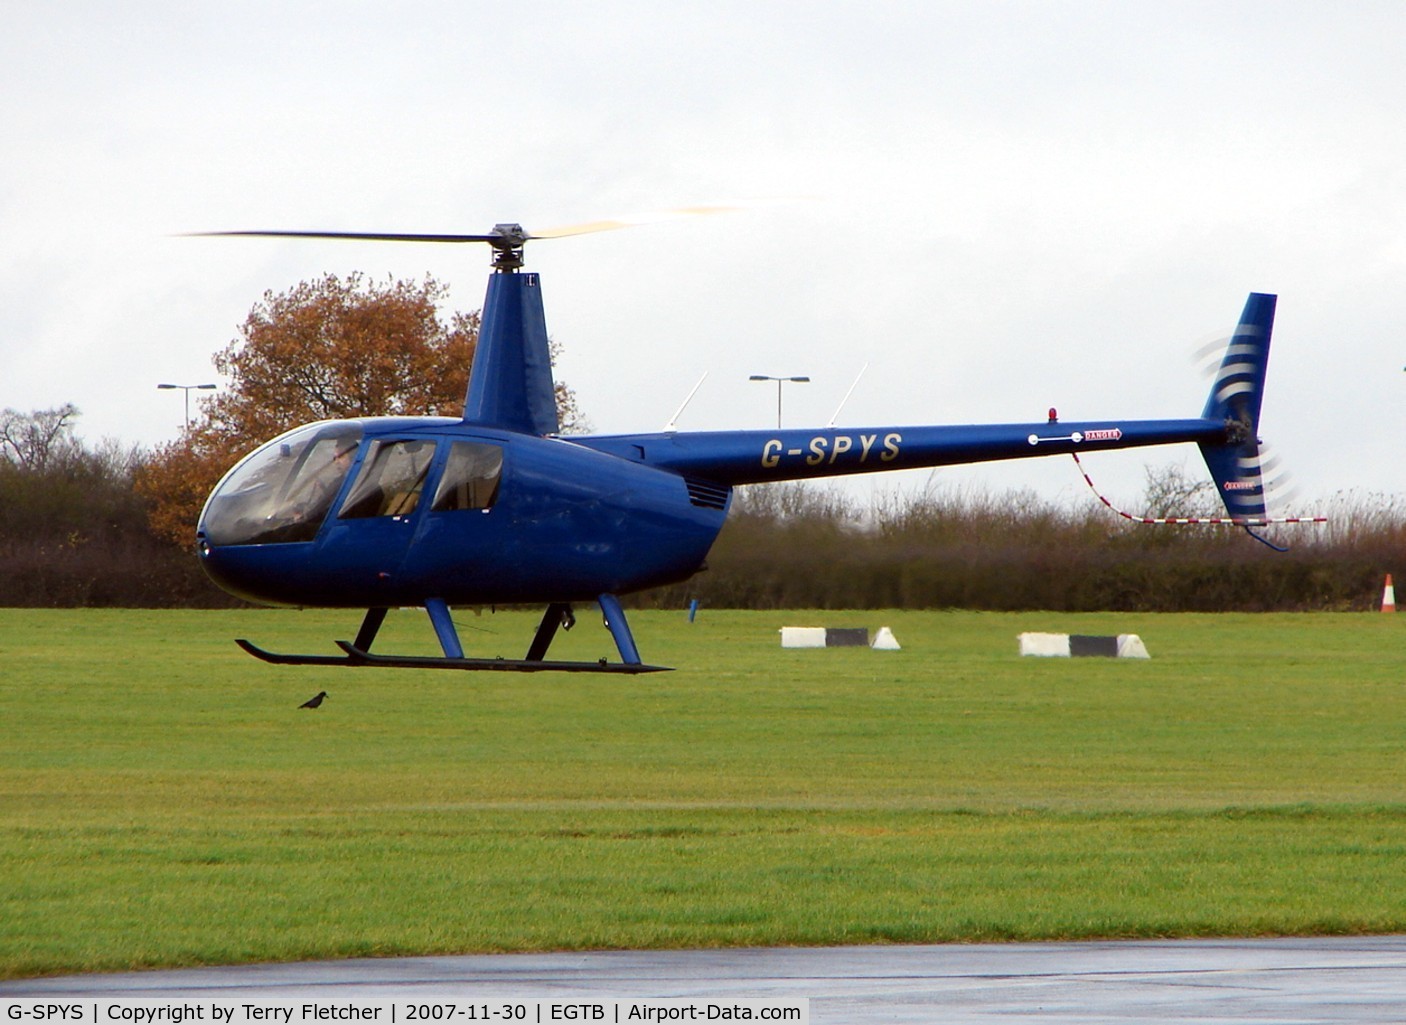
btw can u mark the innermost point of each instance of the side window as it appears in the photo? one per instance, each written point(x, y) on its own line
point(391, 479)
point(470, 478)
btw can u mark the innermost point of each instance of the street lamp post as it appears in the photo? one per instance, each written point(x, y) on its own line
point(779, 381)
point(187, 388)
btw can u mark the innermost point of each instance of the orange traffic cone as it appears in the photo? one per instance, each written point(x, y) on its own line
point(1388, 596)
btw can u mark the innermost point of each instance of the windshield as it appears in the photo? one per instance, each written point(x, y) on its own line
point(281, 493)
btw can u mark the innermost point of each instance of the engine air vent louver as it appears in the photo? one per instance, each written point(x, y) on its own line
point(707, 494)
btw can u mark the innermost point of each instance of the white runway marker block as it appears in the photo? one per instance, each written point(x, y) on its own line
point(884, 640)
point(825, 637)
point(1082, 645)
point(1045, 645)
point(803, 637)
point(1131, 646)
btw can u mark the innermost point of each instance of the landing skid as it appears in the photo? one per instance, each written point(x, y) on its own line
point(280, 659)
point(558, 615)
point(357, 657)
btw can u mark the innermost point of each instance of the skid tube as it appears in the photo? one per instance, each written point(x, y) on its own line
point(558, 615)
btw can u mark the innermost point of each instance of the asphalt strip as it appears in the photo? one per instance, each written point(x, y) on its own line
point(1302, 979)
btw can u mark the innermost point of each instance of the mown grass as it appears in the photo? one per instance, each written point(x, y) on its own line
point(164, 802)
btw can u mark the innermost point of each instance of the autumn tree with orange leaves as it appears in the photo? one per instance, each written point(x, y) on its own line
point(327, 349)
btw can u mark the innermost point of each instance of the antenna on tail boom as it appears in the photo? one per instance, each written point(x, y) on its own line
point(672, 425)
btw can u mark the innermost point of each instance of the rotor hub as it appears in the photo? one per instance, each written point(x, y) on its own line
point(507, 241)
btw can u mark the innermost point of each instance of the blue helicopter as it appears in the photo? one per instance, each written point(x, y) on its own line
point(496, 508)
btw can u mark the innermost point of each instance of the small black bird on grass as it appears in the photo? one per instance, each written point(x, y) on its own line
point(313, 702)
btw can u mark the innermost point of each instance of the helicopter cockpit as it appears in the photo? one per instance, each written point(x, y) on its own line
point(283, 491)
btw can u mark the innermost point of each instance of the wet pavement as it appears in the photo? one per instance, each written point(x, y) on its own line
point(1334, 979)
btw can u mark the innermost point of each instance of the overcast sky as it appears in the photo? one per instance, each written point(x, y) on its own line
point(1009, 206)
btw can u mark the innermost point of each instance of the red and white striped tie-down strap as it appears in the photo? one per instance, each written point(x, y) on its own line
point(1229, 521)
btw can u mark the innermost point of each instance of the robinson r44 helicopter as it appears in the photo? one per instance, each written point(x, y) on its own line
point(495, 508)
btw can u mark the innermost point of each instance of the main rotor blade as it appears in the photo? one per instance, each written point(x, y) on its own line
point(615, 223)
point(372, 236)
point(514, 236)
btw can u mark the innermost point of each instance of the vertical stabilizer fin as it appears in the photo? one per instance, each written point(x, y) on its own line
point(1236, 395)
point(1239, 384)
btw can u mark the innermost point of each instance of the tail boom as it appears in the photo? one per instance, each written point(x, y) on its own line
point(1226, 433)
point(755, 457)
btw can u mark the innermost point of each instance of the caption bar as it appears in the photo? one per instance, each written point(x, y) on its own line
point(448, 1011)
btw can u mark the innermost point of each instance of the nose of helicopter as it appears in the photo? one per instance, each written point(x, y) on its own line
point(256, 573)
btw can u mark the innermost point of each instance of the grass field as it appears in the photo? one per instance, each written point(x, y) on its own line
point(163, 801)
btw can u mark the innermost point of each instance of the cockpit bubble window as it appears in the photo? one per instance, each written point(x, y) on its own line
point(391, 479)
point(471, 475)
point(282, 492)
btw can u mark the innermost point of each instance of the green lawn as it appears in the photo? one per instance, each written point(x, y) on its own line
point(163, 801)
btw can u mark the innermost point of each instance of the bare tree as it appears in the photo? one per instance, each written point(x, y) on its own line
point(39, 440)
point(1170, 491)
